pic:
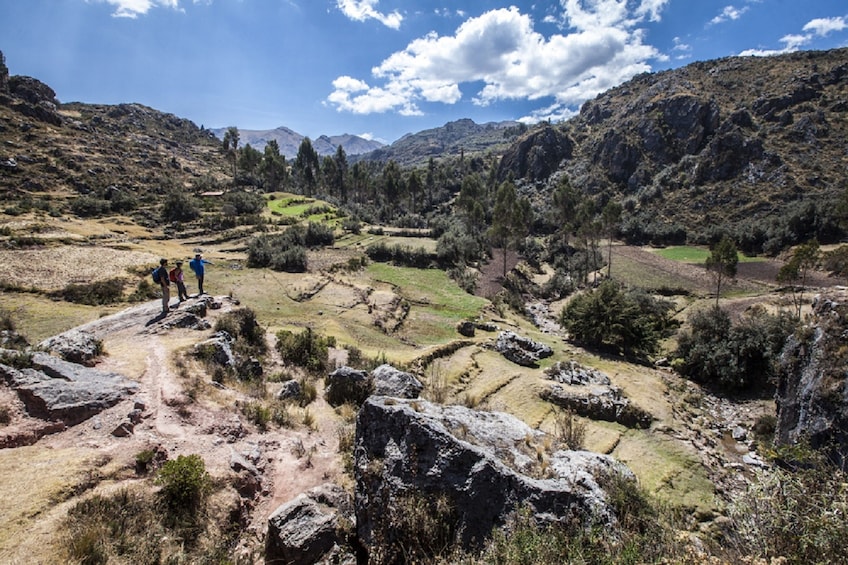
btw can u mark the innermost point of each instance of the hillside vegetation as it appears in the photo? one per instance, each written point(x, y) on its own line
point(423, 255)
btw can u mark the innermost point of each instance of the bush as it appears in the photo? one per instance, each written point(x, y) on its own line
point(243, 326)
point(306, 349)
point(180, 206)
point(185, 482)
point(283, 252)
point(732, 357)
point(90, 206)
point(797, 515)
point(630, 321)
point(402, 255)
point(95, 293)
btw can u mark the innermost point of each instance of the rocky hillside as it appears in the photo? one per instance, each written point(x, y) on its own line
point(737, 142)
point(454, 139)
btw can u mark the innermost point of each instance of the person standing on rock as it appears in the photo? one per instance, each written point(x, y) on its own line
point(198, 266)
point(177, 276)
point(164, 284)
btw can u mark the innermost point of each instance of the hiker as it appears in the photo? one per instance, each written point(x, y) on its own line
point(164, 284)
point(176, 276)
point(197, 265)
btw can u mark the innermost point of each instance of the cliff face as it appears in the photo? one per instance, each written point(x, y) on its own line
point(812, 396)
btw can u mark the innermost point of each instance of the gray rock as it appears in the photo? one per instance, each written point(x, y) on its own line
point(75, 346)
point(55, 389)
point(479, 461)
point(573, 373)
point(599, 403)
point(466, 328)
point(346, 384)
point(290, 389)
point(306, 530)
point(521, 350)
point(218, 348)
point(389, 381)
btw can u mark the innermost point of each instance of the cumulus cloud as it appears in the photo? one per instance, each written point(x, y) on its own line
point(501, 50)
point(361, 10)
point(824, 26)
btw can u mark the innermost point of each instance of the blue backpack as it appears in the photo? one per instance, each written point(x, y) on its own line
point(157, 276)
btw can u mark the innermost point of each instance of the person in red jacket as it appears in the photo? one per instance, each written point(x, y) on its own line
point(177, 276)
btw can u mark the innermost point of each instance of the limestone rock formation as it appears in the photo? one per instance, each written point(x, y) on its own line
point(389, 381)
point(54, 389)
point(812, 395)
point(305, 531)
point(481, 462)
point(521, 350)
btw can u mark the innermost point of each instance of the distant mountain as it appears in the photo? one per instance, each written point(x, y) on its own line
point(452, 139)
point(289, 141)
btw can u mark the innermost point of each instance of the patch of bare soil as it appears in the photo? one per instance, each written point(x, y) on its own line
point(182, 412)
point(490, 281)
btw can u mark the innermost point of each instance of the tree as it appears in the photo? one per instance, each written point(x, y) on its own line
point(722, 262)
point(414, 188)
point(339, 180)
point(610, 217)
point(307, 166)
point(610, 316)
point(510, 219)
point(230, 147)
point(794, 272)
point(273, 167)
point(249, 160)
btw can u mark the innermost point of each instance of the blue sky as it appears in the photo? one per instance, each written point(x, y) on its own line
point(384, 68)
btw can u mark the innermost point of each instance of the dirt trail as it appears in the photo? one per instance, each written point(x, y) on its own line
point(183, 421)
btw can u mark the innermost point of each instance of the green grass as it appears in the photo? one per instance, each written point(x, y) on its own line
point(696, 255)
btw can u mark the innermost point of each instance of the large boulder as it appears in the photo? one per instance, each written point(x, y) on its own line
point(76, 346)
point(347, 385)
point(54, 389)
point(306, 530)
point(389, 381)
point(521, 350)
point(485, 464)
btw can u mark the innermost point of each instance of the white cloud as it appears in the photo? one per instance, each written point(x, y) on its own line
point(792, 42)
point(823, 26)
point(729, 13)
point(361, 10)
point(501, 50)
point(134, 8)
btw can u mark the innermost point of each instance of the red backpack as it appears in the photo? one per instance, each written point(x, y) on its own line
point(172, 274)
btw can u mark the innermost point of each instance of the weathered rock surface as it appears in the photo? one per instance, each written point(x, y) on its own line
point(305, 531)
point(218, 348)
point(54, 389)
point(521, 350)
point(599, 403)
point(346, 384)
point(482, 462)
point(75, 346)
point(389, 381)
point(812, 395)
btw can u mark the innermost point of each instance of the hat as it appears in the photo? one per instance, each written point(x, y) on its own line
point(179, 263)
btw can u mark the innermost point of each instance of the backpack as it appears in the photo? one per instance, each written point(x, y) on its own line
point(157, 276)
point(172, 274)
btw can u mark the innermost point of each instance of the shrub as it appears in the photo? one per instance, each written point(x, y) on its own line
point(797, 515)
point(185, 482)
point(610, 316)
point(732, 357)
point(90, 206)
point(306, 349)
point(95, 293)
point(180, 206)
point(243, 326)
point(284, 252)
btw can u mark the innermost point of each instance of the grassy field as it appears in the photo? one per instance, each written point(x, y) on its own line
point(696, 255)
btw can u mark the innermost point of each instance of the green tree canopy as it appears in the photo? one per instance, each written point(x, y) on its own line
point(722, 262)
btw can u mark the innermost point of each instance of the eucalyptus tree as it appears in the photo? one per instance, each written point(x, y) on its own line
point(230, 147)
point(272, 168)
point(307, 167)
point(794, 272)
point(511, 219)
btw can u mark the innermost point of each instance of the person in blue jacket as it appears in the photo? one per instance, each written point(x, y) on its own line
point(198, 266)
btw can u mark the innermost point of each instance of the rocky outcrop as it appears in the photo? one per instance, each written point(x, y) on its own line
point(389, 381)
point(75, 346)
point(54, 389)
point(537, 155)
point(347, 385)
point(353, 386)
point(521, 350)
point(812, 395)
point(484, 464)
point(307, 530)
